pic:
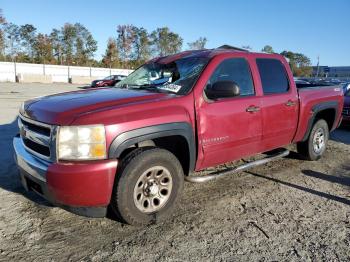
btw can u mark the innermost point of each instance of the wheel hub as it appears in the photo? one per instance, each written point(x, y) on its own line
point(153, 189)
point(319, 141)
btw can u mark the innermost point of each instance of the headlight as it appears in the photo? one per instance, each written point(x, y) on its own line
point(22, 109)
point(81, 142)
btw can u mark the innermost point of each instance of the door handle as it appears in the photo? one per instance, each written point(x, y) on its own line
point(290, 103)
point(253, 109)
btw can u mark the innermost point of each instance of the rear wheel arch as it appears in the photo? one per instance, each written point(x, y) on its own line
point(315, 146)
point(327, 111)
point(178, 138)
point(329, 115)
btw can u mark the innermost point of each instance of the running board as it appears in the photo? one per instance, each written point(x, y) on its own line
point(217, 174)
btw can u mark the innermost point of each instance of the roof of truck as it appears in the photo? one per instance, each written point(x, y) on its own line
point(209, 53)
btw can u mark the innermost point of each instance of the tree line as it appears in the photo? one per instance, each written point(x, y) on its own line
point(73, 44)
point(299, 63)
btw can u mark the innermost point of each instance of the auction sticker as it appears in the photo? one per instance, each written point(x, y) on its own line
point(170, 87)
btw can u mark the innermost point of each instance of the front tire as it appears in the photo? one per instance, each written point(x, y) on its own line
point(315, 146)
point(148, 185)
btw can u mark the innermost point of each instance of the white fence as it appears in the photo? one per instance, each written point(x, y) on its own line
point(10, 71)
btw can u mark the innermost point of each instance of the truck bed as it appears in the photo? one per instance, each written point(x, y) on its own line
point(313, 97)
point(327, 90)
point(312, 86)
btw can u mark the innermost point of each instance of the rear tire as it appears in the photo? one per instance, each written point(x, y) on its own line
point(314, 147)
point(147, 187)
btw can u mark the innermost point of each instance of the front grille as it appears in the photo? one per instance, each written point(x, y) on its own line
point(43, 150)
point(36, 137)
point(346, 111)
point(39, 129)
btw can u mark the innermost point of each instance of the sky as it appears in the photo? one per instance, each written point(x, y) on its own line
point(314, 28)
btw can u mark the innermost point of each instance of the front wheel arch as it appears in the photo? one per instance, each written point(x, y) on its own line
point(123, 205)
point(178, 138)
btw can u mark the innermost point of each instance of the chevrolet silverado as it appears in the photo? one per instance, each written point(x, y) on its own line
point(129, 149)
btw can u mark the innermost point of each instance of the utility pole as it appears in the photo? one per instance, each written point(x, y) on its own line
point(318, 65)
point(15, 68)
point(110, 66)
point(68, 72)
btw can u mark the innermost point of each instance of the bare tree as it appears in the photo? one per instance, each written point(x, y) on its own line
point(247, 47)
point(27, 34)
point(43, 49)
point(111, 57)
point(166, 42)
point(68, 38)
point(267, 49)
point(125, 40)
point(2, 38)
point(85, 45)
point(142, 45)
point(299, 63)
point(12, 36)
point(198, 44)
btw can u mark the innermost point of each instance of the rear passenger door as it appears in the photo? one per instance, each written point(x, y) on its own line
point(279, 104)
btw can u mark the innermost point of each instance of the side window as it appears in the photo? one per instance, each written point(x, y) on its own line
point(273, 76)
point(237, 70)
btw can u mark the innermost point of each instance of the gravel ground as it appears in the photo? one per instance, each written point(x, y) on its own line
point(289, 210)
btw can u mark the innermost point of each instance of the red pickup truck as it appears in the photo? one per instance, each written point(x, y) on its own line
point(130, 148)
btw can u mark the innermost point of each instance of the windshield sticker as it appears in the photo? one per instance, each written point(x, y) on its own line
point(170, 87)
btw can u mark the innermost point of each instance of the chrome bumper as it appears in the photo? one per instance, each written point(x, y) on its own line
point(29, 163)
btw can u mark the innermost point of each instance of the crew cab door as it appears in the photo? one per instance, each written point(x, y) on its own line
point(229, 128)
point(280, 104)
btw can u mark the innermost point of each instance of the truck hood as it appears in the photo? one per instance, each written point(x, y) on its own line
point(62, 109)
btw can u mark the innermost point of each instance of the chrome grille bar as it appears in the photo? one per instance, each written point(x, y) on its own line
point(35, 137)
point(35, 140)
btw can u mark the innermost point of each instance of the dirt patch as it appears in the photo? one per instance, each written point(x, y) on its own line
point(287, 210)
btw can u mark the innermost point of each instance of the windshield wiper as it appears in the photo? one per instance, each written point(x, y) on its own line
point(150, 87)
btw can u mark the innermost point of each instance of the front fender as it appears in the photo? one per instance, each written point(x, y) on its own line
point(132, 137)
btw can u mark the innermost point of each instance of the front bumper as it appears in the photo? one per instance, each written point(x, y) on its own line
point(83, 188)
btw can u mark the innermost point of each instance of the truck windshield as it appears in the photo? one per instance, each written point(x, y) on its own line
point(178, 76)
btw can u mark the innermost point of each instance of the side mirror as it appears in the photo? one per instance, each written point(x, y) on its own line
point(223, 89)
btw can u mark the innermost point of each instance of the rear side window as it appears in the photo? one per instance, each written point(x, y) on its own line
point(273, 76)
point(236, 70)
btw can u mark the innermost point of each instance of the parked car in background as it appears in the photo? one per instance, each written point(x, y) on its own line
point(108, 81)
point(346, 109)
point(301, 82)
